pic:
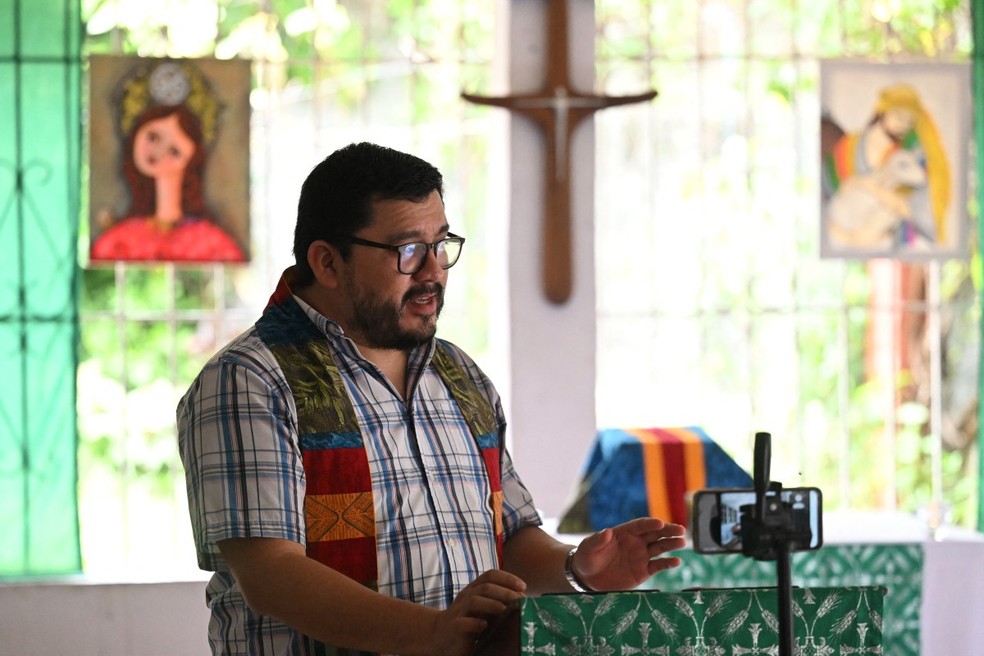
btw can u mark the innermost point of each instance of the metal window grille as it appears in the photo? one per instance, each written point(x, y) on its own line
point(325, 74)
point(39, 200)
point(168, 318)
point(708, 199)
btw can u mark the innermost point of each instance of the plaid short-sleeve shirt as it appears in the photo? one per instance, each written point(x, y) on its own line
point(238, 438)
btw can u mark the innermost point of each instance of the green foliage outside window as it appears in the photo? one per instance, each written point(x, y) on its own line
point(146, 330)
point(780, 335)
point(324, 73)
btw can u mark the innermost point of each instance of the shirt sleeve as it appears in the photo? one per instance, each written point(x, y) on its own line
point(237, 437)
point(518, 509)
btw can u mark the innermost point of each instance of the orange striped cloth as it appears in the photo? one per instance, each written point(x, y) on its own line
point(647, 472)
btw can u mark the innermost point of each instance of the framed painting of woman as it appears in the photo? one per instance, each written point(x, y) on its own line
point(169, 160)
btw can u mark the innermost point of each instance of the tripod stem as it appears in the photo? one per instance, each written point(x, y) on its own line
point(785, 597)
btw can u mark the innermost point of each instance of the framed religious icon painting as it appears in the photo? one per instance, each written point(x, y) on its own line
point(893, 149)
point(168, 160)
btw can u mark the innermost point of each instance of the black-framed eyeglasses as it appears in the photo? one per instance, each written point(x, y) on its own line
point(410, 257)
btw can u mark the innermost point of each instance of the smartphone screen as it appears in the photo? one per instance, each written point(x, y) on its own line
point(717, 513)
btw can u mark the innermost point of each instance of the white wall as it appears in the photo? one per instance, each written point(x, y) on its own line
point(550, 396)
point(79, 619)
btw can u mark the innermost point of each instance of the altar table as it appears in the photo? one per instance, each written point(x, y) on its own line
point(825, 621)
point(934, 580)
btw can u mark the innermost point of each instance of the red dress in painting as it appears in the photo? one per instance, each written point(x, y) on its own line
point(190, 240)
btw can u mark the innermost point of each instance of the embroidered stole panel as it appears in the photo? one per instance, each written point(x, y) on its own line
point(338, 506)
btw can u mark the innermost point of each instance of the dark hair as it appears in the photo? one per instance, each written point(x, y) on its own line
point(338, 195)
point(143, 191)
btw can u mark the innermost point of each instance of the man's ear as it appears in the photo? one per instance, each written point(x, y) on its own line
point(325, 261)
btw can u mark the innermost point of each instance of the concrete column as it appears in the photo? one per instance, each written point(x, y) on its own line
point(550, 395)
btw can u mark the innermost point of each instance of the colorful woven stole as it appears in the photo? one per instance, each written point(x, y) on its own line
point(338, 504)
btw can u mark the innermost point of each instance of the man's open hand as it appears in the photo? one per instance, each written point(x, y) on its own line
point(625, 556)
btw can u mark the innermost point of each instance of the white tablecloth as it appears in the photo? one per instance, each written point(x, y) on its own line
point(952, 611)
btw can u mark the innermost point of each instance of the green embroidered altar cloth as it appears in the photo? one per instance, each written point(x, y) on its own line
point(826, 621)
point(896, 567)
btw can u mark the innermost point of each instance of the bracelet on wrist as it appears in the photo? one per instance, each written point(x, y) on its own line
point(572, 579)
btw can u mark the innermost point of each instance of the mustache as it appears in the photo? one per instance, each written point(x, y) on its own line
point(423, 289)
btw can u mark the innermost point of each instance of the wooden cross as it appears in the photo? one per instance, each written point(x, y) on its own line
point(558, 110)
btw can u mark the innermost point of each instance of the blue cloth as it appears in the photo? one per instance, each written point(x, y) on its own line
point(613, 486)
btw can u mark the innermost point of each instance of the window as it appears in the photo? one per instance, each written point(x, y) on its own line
point(712, 186)
point(325, 74)
point(708, 199)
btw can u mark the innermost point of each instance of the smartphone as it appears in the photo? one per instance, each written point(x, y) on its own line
point(717, 517)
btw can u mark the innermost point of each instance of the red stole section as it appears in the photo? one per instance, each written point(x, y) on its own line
point(338, 508)
point(491, 456)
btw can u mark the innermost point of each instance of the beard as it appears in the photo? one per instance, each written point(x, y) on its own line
point(377, 320)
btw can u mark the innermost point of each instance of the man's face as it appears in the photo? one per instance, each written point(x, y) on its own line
point(389, 309)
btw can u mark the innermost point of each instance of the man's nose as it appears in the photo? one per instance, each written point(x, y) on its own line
point(431, 270)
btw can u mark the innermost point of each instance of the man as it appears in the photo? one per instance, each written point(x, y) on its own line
point(347, 476)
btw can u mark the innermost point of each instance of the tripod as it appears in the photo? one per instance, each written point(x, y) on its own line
point(769, 532)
